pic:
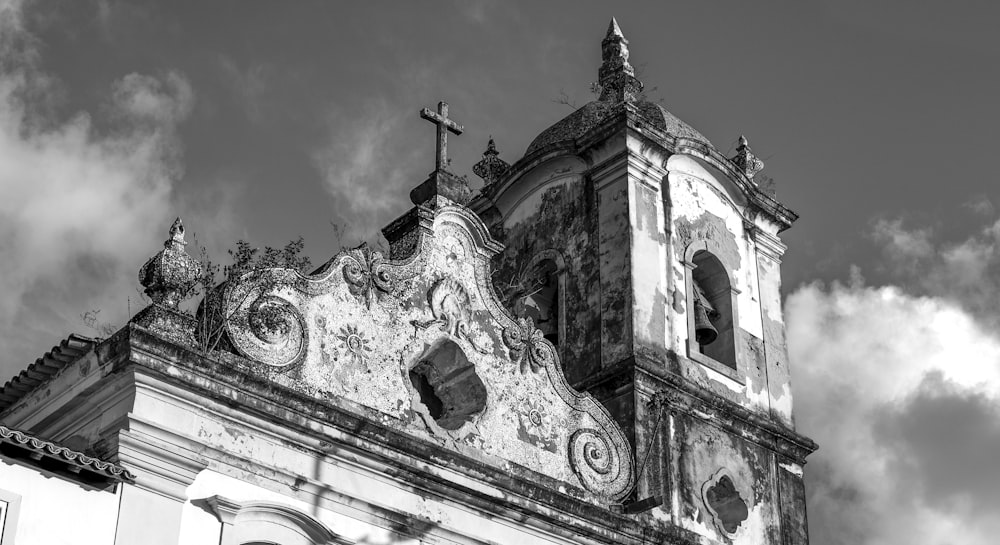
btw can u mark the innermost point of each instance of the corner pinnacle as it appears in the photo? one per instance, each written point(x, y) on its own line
point(614, 31)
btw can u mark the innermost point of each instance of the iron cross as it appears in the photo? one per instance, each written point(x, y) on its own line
point(443, 126)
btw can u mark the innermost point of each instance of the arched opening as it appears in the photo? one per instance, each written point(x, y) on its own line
point(448, 386)
point(712, 300)
point(265, 523)
point(541, 300)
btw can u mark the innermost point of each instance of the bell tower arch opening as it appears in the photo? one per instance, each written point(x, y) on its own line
point(712, 326)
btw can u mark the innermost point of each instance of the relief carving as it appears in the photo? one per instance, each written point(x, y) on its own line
point(270, 330)
point(601, 468)
point(528, 347)
point(367, 273)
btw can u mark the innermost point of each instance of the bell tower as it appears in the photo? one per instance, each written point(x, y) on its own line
point(652, 262)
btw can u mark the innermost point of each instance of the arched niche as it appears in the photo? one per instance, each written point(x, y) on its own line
point(710, 284)
point(544, 295)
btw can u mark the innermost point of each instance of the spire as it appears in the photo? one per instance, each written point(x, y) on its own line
point(616, 76)
point(491, 168)
point(614, 31)
point(745, 160)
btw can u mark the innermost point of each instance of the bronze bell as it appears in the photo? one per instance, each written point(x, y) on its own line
point(704, 331)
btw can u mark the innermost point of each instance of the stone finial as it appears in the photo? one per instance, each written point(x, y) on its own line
point(616, 76)
point(169, 275)
point(491, 168)
point(745, 160)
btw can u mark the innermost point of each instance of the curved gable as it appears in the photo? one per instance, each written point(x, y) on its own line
point(425, 346)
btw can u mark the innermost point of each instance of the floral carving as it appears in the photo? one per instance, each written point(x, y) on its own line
point(366, 273)
point(354, 345)
point(528, 347)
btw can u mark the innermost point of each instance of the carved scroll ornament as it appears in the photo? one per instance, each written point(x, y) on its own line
point(528, 347)
point(367, 273)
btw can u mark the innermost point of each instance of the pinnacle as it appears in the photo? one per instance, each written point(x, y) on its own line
point(614, 31)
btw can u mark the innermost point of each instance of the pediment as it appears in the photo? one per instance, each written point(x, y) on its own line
point(426, 345)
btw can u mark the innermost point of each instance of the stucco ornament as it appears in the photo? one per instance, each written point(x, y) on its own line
point(491, 168)
point(594, 461)
point(270, 329)
point(528, 347)
point(450, 306)
point(365, 270)
point(745, 160)
point(355, 346)
point(443, 314)
point(169, 275)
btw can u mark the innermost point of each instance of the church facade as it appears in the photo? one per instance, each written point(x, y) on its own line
point(588, 350)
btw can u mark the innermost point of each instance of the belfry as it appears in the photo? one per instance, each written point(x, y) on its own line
point(590, 349)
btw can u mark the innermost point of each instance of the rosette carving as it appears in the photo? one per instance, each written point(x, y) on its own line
point(528, 347)
point(366, 273)
point(603, 467)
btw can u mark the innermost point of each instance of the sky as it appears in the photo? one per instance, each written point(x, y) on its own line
point(267, 121)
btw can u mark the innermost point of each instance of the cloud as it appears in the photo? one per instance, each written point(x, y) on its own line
point(900, 388)
point(981, 205)
point(85, 203)
point(365, 169)
point(250, 85)
point(966, 272)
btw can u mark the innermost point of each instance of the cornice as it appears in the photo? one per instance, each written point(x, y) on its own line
point(229, 382)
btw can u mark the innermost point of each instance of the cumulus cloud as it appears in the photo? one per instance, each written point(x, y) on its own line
point(82, 206)
point(900, 386)
point(966, 272)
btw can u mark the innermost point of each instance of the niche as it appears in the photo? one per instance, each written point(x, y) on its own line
point(726, 504)
point(448, 386)
point(541, 302)
point(712, 291)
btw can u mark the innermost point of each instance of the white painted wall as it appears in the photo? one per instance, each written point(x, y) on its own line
point(56, 511)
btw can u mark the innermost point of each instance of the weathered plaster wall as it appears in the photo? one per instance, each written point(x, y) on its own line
point(703, 207)
point(553, 208)
point(56, 511)
point(355, 493)
point(357, 330)
point(705, 452)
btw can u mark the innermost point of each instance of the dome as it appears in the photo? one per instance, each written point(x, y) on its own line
point(593, 113)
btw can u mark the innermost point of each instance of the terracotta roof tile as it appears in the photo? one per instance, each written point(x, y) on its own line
point(73, 458)
point(44, 368)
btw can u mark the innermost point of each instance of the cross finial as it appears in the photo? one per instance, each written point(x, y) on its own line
point(443, 126)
